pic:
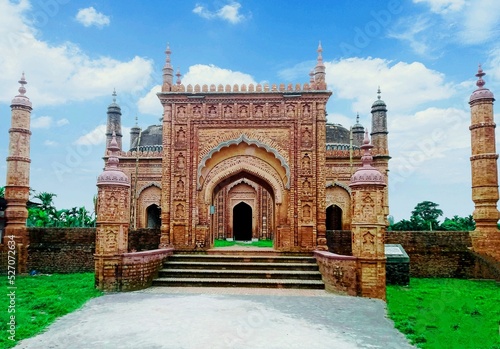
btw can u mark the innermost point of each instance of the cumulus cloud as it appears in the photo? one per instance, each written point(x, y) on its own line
point(41, 122)
point(150, 104)
point(95, 137)
point(406, 85)
point(230, 13)
point(90, 17)
point(75, 77)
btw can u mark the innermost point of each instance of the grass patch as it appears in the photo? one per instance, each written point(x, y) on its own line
point(447, 313)
point(42, 299)
point(260, 243)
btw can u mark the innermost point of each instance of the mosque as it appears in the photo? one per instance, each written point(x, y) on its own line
point(245, 163)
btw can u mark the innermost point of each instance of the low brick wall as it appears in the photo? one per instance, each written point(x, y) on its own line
point(339, 273)
point(436, 253)
point(61, 250)
point(143, 239)
point(140, 268)
point(339, 242)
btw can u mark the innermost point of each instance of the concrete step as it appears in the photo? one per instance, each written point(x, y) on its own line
point(242, 258)
point(240, 274)
point(230, 282)
point(240, 265)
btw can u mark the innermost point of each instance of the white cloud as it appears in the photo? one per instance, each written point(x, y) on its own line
point(62, 122)
point(414, 31)
point(95, 137)
point(150, 104)
point(481, 21)
point(41, 122)
point(90, 17)
point(75, 77)
point(228, 13)
point(404, 85)
point(443, 6)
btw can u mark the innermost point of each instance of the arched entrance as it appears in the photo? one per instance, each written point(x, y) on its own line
point(242, 222)
point(153, 214)
point(333, 218)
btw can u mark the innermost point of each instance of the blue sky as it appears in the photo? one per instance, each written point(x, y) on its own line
point(422, 53)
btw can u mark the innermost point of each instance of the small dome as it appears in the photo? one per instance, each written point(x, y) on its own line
point(378, 103)
point(112, 175)
point(21, 99)
point(336, 133)
point(367, 174)
point(481, 92)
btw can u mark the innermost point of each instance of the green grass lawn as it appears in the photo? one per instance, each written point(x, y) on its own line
point(39, 300)
point(260, 243)
point(447, 313)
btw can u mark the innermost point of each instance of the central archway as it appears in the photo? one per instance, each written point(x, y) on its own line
point(242, 222)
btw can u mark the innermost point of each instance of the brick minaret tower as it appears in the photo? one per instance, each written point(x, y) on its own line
point(368, 225)
point(113, 219)
point(18, 176)
point(486, 237)
point(114, 123)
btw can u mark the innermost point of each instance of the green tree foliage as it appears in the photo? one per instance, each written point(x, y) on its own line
point(2, 192)
point(425, 217)
point(46, 214)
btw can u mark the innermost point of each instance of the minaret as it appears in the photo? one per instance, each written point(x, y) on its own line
point(368, 224)
point(379, 127)
point(320, 71)
point(168, 72)
point(358, 132)
point(113, 221)
point(178, 74)
point(486, 237)
point(114, 124)
point(134, 135)
point(18, 176)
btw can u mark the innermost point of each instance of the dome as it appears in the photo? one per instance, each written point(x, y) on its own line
point(112, 174)
point(336, 133)
point(379, 104)
point(481, 92)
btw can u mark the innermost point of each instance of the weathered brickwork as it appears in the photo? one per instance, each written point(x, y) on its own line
point(339, 242)
point(143, 240)
point(138, 269)
point(339, 273)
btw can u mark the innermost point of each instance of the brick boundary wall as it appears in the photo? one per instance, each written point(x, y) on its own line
point(339, 242)
point(61, 250)
point(339, 273)
point(140, 268)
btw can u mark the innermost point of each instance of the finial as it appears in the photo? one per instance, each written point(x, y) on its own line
point(320, 50)
point(357, 118)
point(22, 81)
point(311, 76)
point(168, 52)
point(114, 95)
point(366, 140)
point(178, 74)
point(378, 93)
point(480, 82)
point(136, 119)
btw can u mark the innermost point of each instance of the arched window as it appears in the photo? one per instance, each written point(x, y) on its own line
point(153, 213)
point(333, 218)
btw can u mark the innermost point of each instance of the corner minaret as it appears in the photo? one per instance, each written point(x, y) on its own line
point(168, 72)
point(114, 123)
point(134, 136)
point(358, 132)
point(379, 127)
point(369, 224)
point(486, 237)
point(320, 70)
point(18, 176)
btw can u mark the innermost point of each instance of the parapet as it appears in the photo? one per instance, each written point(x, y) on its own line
point(243, 88)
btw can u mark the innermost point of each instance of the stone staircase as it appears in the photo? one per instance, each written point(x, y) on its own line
point(237, 269)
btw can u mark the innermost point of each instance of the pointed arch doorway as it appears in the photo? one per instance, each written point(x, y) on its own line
point(242, 222)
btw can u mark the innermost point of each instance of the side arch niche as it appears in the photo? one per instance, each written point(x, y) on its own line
point(148, 198)
point(338, 207)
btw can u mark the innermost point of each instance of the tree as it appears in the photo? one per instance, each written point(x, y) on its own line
point(459, 224)
point(426, 214)
point(2, 192)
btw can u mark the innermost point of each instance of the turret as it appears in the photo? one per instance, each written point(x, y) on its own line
point(358, 132)
point(114, 123)
point(168, 71)
point(379, 126)
point(134, 135)
point(320, 70)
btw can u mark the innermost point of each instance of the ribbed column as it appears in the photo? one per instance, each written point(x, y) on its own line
point(165, 239)
point(18, 176)
point(486, 237)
